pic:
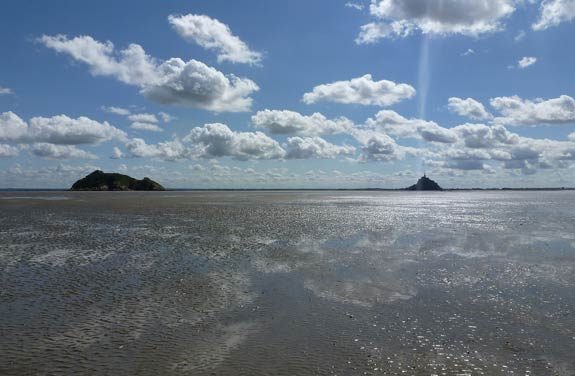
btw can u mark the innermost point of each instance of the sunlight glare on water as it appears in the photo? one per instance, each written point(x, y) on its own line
point(288, 283)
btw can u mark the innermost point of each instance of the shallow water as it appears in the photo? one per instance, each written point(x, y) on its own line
point(259, 283)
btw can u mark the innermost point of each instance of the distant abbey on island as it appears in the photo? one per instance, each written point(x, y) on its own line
point(101, 181)
point(424, 184)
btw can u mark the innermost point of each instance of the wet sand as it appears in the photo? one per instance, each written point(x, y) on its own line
point(284, 283)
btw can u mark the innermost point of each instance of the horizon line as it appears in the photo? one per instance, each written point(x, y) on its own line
point(297, 189)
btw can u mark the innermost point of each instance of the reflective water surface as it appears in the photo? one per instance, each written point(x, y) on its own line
point(284, 283)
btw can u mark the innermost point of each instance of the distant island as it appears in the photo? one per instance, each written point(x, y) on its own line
point(101, 181)
point(424, 184)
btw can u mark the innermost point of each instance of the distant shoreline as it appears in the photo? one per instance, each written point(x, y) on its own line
point(297, 189)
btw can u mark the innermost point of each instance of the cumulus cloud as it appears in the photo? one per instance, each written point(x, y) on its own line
point(194, 84)
point(167, 150)
point(468, 108)
point(51, 151)
point(554, 12)
point(378, 146)
point(465, 164)
point(572, 137)
point(5, 90)
point(59, 129)
point(399, 18)
point(315, 147)
point(517, 111)
point(381, 147)
point(293, 123)
point(62, 129)
point(218, 140)
point(142, 126)
point(116, 110)
point(483, 136)
point(526, 61)
point(12, 127)
point(435, 133)
point(394, 124)
point(362, 90)
point(174, 81)
point(214, 35)
point(8, 151)
point(480, 146)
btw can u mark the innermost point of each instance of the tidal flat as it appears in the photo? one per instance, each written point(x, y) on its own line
point(287, 283)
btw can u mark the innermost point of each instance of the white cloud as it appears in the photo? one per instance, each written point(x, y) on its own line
point(131, 65)
point(116, 110)
point(356, 6)
point(398, 18)
point(139, 117)
point(167, 150)
point(432, 132)
point(393, 123)
point(526, 61)
point(62, 129)
point(517, 111)
point(212, 34)
point(362, 90)
point(5, 91)
point(12, 127)
point(520, 36)
point(51, 151)
point(218, 140)
point(554, 12)
point(572, 137)
point(293, 123)
point(468, 108)
point(461, 159)
point(378, 146)
point(480, 147)
point(483, 136)
point(147, 118)
point(381, 147)
point(374, 31)
point(469, 52)
point(8, 151)
point(174, 81)
point(59, 129)
point(142, 126)
point(166, 118)
point(466, 164)
point(117, 153)
point(194, 84)
point(315, 147)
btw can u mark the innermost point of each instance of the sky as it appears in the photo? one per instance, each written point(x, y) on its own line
point(288, 94)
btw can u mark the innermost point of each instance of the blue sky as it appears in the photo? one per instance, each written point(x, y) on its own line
point(224, 94)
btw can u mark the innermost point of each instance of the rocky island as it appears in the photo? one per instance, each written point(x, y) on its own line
point(101, 181)
point(424, 184)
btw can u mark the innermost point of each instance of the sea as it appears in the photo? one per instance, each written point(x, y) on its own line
point(287, 283)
